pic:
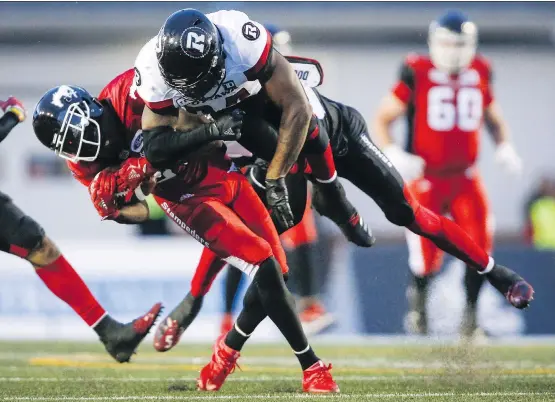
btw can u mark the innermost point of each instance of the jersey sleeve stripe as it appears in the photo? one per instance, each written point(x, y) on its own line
point(252, 72)
point(160, 105)
point(402, 91)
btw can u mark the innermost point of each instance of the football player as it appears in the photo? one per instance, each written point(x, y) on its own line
point(197, 187)
point(212, 64)
point(22, 236)
point(298, 242)
point(445, 97)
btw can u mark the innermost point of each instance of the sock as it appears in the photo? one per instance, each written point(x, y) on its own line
point(253, 313)
point(472, 283)
point(448, 236)
point(306, 357)
point(67, 285)
point(232, 282)
point(323, 165)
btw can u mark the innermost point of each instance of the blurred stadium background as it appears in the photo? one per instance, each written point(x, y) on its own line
point(360, 46)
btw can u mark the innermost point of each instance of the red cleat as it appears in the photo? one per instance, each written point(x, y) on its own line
point(315, 318)
point(227, 323)
point(167, 335)
point(317, 379)
point(223, 363)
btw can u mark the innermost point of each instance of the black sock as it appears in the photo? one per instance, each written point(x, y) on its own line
point(232, 282)
point(473, 283)
point(307, 358)
point(104, 325)
point(187, 310)
point(253, 313)
point(280, 307)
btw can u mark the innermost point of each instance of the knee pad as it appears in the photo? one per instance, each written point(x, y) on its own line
point(30, 235)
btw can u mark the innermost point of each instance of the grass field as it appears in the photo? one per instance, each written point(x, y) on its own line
point(31, 371)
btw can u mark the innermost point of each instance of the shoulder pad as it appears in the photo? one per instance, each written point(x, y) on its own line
point(309, 71)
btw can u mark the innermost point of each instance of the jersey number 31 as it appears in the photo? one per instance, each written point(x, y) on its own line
point(448, 109)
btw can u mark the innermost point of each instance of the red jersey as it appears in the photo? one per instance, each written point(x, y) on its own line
point(445, 113)
point(129, 108)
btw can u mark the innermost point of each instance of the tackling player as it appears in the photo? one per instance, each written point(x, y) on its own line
point(198, 188)
point(222, 61)
point(22, 236)
point(445, 97)
point(298, 242)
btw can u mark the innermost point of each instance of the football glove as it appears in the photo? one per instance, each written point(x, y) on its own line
point(131, 174)
point(102, 191)
point(278, 202)
point(228, 126)
point(507, 158)
point(409, 166)
point(15, 106)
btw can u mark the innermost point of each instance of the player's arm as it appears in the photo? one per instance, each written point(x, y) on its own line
point(393, 106)
point(285, 90)
point(14, 113)
point(168, 139)
point(137, 212)
point(505, 153)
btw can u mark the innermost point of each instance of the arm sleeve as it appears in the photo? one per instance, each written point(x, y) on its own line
point(405, 85)
point(7, 123)
point(163, 146)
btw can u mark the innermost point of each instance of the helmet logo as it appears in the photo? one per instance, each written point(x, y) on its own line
point(250, 31)
point(65, 93)
point(195, 42)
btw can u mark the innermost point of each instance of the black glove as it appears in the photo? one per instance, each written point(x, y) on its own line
point(228, 126)
point(278, 202)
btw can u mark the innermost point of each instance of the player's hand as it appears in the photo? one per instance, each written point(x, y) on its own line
point(508, 159)
point(102, 190)
point(278, 202)
point(131, 174)
point(228, 127)
point(15, 106)
point(409, 166)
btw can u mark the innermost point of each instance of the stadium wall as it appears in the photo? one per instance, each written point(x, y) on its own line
point(366, 295)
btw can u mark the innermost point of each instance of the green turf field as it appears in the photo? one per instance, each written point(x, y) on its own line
point(72, 371)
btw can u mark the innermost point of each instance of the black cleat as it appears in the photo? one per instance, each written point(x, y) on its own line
point(330, 200)
point(121, 340)
point(515, 289)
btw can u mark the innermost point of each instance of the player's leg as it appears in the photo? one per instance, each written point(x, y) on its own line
point(299, 247)
point(425, 258)
point(171, 328)
point(260, 136)
point(368, 168)
point(471, 212)
point(22, 236)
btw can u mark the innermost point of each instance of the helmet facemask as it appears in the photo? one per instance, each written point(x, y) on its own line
point(452, 51)
point(79, 138)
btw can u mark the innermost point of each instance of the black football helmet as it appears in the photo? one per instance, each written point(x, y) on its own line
point(66, 121)
point(190, 54)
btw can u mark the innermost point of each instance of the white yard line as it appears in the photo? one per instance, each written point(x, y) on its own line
point(276, 397)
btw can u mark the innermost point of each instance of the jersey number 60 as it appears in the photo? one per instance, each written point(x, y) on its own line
point(448, 109)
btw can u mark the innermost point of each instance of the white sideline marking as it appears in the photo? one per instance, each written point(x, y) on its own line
point(273, 396)
point(369, 378)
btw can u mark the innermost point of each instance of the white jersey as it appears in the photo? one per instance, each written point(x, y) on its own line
point(246, 45)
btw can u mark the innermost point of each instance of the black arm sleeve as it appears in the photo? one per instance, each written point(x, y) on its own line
point(163, 146)
point(7, 123)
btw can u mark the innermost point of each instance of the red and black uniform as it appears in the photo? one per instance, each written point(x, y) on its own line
point(445, 117)
point(206, 197)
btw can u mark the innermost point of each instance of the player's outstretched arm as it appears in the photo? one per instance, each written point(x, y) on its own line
point(505, 153)
point(14, 113)
point(285, 90)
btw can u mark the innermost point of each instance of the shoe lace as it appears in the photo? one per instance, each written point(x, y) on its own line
point(224, 364)
point(322, 375)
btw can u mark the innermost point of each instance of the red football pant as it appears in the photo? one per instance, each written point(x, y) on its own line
point(464, 198)
point(224, 214)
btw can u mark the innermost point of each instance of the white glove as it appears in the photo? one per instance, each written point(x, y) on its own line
point(508, 159)
point(409, 166)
